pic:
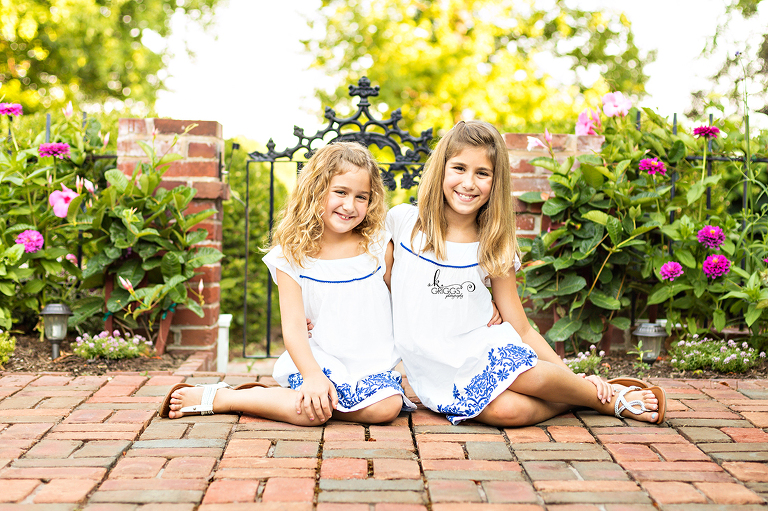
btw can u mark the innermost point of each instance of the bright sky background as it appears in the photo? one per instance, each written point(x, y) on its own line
point(251, 75)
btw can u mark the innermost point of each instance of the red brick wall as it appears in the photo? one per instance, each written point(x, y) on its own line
point(202, 150)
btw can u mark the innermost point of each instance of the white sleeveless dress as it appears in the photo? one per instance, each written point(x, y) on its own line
point(350, 307)
point(455, 363)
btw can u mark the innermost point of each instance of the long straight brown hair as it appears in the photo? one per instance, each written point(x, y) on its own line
point(495, 220)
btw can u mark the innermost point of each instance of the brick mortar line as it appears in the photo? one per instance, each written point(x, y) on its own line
point(424, 482)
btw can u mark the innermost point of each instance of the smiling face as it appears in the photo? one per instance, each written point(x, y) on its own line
point(468, 180)
point(347, 202)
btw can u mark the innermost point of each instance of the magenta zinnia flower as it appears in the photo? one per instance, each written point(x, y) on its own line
point(55, 149)
point(670, 270)
point(706, 132)
point(10, 109)
point(653, 166)
point(711, 236)
point(31, 239)
point(59, 201)
point(716, 265)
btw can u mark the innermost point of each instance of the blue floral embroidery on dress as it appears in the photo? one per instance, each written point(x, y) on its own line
point(474, 397)
point(366, 387)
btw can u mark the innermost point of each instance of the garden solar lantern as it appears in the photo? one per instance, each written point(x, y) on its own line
point(652, 336)
point(55, 317)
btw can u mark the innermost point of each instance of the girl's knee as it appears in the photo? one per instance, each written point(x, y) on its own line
point(385, 410)
point(508, 413)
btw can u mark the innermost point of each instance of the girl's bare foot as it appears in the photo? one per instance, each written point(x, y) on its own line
point(192, 396)
point(647, 401)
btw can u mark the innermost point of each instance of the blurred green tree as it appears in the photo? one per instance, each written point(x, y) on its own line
point(455, 59)
point(52, 51)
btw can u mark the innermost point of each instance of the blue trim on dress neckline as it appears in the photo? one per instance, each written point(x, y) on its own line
point(434, 262)
point(340, 281)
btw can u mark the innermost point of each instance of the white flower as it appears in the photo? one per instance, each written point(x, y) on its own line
point(744, 345)
point(602, 353)
point(534, 142)
point(762, 354)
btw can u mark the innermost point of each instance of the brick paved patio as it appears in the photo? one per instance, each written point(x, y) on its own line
point(96, 443)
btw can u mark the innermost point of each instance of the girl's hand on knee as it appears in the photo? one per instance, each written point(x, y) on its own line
point(604, 389)
point(317, 397)
point(496, 318)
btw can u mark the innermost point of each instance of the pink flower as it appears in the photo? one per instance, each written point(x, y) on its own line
point(55, 149)
point(60, 201)
point(81, 182)
point(68, 111)
point(670, 270)
point(126, 284)
point(652, 166)
point(534, 142)
point(547, 136)
point(706, 132)
point(106, 140)
point(614, 103)
point(711, 236)
point(31, 239)
point(10, 109)
point(716, 265)
point(585, 125)
point(765, 260)
point(72, 258)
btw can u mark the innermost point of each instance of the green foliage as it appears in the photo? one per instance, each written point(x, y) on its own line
point(639, 364)
point(444, 61)
point(7, 347)
point(141, 238)
point(55, 50)
point(233, 273)
point(112, 346)
point(586, 362)
point(694, 352)
point(29, 280)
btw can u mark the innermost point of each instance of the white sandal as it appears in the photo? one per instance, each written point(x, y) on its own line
point(622, 404)
point(206, 404)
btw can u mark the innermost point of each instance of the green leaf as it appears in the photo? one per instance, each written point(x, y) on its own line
point(118, 299)
point(695, 192)
point(74, 207)
point(203, 256)
point(621, 323)
point(565, 167)
point(531, 197)
point(738, 271)
point(51, 266)
point(197, 236)
point(613, 226)
point(192, 220)
point(171, 265)
point(131, 270)
point(597, 217)
point(19, 227)
point(604, 301)
point(195, 307)
point(117, 179)
point(699, 286)
point(563, 329)
point(590, 159)
point(677, 152)
point(12, 254)
point(718, 319)
point(32, 287)
point(752, 315)
point(592, 176)
point(550, 237)
point(563, 262)
point(545, 163)
point(554, 205)
point(685, 257)
point(7, 289)
point(85, 308)
point(570, 284)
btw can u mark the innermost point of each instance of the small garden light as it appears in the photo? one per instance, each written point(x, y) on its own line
point(652, 336)
point(55, 317)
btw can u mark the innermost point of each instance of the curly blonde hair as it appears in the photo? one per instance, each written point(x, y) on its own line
point(301, 226)
point(495, 220)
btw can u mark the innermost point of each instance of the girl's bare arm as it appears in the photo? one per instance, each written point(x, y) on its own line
point(313, 396)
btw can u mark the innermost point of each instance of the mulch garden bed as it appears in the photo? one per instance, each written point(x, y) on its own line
point(34, 356)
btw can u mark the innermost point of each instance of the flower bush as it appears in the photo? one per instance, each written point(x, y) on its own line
point(694, 352)
point(7, 347)
point(586, 362)
point(619, 227)
point(35, 197)
point(112, 346)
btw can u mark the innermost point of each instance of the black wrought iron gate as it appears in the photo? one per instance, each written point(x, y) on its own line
point(409, 154)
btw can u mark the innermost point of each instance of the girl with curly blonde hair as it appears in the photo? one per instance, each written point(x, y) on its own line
point(327, 258)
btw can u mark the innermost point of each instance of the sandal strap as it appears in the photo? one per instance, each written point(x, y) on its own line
point(622, 404)
point(206, 403)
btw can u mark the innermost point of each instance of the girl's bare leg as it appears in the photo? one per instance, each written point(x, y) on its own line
point(552, 383)
point(511, 409)
point(275, 403)
point(385, 410)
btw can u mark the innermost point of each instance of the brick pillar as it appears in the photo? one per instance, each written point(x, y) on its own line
point(200, 168)
point(527, 178)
